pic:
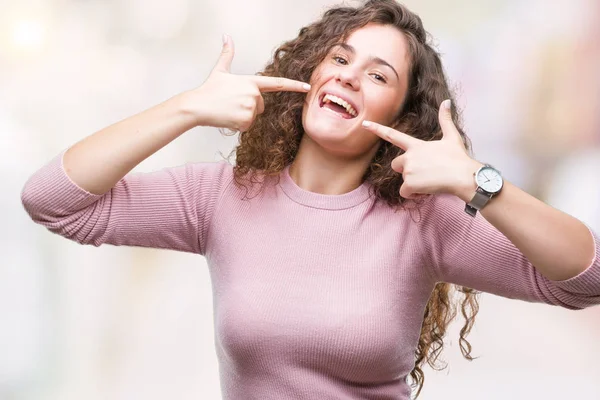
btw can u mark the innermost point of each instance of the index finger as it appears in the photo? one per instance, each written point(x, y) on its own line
point(279, 84)
point(393, 136)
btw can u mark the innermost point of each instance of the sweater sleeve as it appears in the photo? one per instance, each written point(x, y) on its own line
point(471, 252)
point(169, 209)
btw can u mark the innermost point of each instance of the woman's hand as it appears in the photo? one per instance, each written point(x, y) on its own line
point(233, 101)
point(429, 167)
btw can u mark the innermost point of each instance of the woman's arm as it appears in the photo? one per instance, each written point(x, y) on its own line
point(470, 251)
point(86, 194)
point(99, 161)
point(225, 100)
point(171, 208)
point(559, 245)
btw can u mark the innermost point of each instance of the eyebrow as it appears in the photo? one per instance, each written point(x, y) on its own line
point(377, 60)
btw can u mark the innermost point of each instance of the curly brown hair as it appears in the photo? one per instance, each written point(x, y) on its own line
point(272, 142)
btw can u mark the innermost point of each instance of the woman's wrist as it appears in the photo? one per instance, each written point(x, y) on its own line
point(189, 106)
point(466, 186)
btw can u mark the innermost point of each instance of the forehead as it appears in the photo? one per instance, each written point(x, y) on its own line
point(383, 41)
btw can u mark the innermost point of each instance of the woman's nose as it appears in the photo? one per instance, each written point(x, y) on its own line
point(348, 77)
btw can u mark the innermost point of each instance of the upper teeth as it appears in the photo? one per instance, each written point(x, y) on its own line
point(341, 102)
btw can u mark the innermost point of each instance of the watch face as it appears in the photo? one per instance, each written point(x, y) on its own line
point(489, 179)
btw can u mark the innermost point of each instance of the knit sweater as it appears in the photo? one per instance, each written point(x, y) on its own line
point(315, 296)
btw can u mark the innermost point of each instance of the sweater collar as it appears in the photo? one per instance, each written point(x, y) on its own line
point(323, 201)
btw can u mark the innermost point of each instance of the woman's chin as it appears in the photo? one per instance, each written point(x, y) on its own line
point(331, 132)
point(326, 134)
point(334, 129)
point(334, 141)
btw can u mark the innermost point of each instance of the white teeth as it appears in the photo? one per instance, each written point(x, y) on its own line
point(341, 102)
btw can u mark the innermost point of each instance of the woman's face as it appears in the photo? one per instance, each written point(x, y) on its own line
point(367, 76)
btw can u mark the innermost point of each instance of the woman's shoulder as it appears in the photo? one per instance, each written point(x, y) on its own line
point(222, 166)
point(202, 176)
point(225, 175)
point(208, 169)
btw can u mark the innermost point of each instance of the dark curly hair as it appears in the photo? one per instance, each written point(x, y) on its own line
point(272, 142)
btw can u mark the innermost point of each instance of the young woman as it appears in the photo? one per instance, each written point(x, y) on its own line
point(352, 210)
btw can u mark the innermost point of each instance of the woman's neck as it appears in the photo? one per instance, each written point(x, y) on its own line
point(316, 170)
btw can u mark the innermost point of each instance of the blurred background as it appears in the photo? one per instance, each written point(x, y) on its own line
point(79, 322)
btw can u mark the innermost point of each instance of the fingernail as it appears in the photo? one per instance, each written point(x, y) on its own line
point(366, 123)
point(224, 38)
point(306, 86)
point(447, 104)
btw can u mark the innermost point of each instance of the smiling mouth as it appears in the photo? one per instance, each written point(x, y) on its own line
point(337, 105)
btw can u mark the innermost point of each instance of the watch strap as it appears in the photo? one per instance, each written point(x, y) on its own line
point(478, 201)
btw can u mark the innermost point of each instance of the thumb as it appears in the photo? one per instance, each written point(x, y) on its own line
point(226, 57)
point(445, 117)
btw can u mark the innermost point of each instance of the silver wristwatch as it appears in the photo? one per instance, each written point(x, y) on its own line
point(489, 183)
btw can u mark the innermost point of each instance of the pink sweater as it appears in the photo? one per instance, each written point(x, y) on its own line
point(315, 296)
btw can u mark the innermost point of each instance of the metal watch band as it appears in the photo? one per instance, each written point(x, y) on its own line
point(477, 202)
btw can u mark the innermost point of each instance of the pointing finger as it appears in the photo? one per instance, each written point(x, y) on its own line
point(279, 84)
point(393, 136)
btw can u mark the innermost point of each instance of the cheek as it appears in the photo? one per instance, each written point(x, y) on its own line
point(382, 107)
point(318, 74)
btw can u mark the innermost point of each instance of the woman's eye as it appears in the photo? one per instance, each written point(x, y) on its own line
point(379, 78)
point(340, 60)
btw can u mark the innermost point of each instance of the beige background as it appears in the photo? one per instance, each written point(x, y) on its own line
point(123, 323)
